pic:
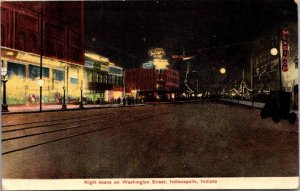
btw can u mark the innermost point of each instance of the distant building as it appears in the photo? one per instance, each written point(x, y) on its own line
point(265, 66)
point(151, 84)
point(103, 79)
point(63, 49)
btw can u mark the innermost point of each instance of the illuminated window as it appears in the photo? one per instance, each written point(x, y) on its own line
point(73, 80)
point(34, 72)
point(100, 78)
point(58, 75)
point(15, 69)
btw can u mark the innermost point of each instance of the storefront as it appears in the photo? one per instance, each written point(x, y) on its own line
point(23, 73)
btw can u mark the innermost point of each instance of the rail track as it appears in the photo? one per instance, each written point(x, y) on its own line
point(21, 136)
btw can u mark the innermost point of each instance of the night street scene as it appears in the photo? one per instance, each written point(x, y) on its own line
point(149, 89)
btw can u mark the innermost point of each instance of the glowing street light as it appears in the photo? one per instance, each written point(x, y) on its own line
point(274, 51)
point(40, 82)
point(3, 75)
point(222, 70)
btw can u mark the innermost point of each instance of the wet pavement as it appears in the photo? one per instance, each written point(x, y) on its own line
point(169, 140)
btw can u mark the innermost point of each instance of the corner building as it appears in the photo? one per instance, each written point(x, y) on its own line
point(151, 84)
point(61, 38)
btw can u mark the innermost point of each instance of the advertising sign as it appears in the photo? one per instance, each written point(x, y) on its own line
point(285, 66)
point(89, 64)
point(115, 70)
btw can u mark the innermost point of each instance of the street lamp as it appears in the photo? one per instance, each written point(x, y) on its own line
point(81, 104)
point(3, 75)
point(222, 70)
point(274, 51)
point(64, 106)
point(41, 83)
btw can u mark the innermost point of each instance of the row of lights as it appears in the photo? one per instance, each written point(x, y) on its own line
point(4, 106)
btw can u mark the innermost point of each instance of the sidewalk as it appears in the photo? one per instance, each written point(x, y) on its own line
point(245, 102)
point(36, 108)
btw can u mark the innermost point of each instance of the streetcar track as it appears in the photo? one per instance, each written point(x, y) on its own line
point(46, 121)
point(57, 130)
point(78, 134)
point(47, 125)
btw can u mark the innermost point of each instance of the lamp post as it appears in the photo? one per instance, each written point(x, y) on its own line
point(81, 104)
point(64, 106)
point(3, 75)
point(41, 83)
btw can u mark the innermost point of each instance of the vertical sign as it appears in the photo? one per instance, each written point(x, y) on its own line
point(285, 66)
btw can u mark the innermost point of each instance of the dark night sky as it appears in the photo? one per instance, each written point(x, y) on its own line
point(125, 31)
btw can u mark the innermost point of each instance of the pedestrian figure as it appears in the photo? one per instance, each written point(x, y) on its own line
point(295, 104)
point(124, 101)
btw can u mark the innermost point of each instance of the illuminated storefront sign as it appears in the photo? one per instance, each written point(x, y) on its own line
point(285, 66)
point(160, 64)
point(89, 64)
point(148, 65)
point(115, 70)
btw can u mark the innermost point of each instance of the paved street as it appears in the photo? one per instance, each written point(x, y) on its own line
point(202, 139)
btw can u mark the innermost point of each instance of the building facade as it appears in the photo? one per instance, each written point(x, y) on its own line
point(151, 84)
point(266, 69)
point(103, 79)
point(52, 29)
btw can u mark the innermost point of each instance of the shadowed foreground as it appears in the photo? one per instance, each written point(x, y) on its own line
point(186, 140)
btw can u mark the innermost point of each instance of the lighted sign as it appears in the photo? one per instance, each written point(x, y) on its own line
point(96, 57)
point(285, 66)
point(157, 52)
point(148, 65)
point(89, 64)
point(115, 70)
point(160, 64)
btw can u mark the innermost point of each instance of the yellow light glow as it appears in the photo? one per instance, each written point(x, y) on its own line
point(9, 53)
point(157, 52)
point(274, 51)
point(40, 82)
point(96, 57)
point(222, 70)
point(187, 58)
point(160, 63)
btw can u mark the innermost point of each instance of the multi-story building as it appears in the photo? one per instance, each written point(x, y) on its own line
point(151, 84)
point(56, 28)
point(266, 69)
point(103, 79)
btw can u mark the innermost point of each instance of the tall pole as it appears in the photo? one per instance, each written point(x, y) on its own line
point(279, 59)
point(81, 101)
point(124, 83)
point(41, 55)
point(4, 105)
point(251, 70)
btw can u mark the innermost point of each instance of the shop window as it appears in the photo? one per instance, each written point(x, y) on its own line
point(34, 72)
point(105, 79)
point(113, 79)
point(73, 80)
point(15, 69)
point(58, 75)
point(89, 76)
point(100, 78)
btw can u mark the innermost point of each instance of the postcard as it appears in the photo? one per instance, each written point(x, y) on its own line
point(143, 95)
